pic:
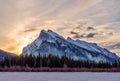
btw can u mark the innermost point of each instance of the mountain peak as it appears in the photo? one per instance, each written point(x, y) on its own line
point(43, 33)
point(50, 42)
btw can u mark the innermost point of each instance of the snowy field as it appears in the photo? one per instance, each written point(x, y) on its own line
point(58, 76)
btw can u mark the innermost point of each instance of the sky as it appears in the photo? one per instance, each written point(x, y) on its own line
point(96, 21)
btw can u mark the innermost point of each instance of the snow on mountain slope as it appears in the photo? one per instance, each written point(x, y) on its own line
point(4, 54)
point(92, 47)
point(50, 42)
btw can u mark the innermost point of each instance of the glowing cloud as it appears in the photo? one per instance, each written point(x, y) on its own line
point(21, 21)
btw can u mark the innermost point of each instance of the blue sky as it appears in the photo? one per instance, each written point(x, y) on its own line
point(90, 20)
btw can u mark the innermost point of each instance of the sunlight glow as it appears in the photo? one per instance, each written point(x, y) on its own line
point(25, 41)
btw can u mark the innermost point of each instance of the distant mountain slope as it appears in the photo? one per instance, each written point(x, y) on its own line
point(50, 42)
point(4, 54)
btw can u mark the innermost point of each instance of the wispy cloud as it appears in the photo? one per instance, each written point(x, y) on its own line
point(22, 20)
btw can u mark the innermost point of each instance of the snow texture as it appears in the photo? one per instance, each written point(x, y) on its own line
point(61, 76)
point(50, 42)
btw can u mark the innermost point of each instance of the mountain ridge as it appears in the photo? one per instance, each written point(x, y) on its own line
point(52, 43)
point(4, 54)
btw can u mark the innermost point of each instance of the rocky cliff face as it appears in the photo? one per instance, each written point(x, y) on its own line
point(50, 42)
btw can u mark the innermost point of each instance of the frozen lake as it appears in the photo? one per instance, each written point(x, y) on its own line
point(59, 76)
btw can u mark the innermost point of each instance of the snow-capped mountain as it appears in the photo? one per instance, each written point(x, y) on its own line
point(50, 42)
point(4, 54)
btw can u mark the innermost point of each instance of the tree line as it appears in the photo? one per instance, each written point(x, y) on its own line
point(53, 62)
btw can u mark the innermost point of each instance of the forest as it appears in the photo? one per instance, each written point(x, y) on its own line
point(54, 63)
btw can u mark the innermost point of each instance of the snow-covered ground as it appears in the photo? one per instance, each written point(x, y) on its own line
point(58, 76)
